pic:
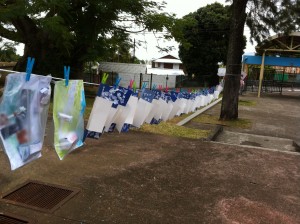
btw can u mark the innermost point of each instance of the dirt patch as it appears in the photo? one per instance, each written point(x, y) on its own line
point(243, 210)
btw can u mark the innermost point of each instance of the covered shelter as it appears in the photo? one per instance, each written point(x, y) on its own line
point(278, 50)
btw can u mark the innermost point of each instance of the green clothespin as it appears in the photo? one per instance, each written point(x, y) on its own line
point(134, 86)
point(104, 78)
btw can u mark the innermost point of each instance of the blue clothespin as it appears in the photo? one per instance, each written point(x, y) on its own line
point(118, 80)
point(154, 86)
point(144, 85)
point(30, 62)
point(67, 74)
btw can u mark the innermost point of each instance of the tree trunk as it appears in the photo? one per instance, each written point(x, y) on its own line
point(229, 109)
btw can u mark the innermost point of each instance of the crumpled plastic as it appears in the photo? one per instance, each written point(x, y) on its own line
point(23, 116)
point(68, 110)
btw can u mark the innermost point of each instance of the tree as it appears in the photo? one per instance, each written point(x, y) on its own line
point(203, 36)
point(261, 17)
point(8, 51)
point(69, 32)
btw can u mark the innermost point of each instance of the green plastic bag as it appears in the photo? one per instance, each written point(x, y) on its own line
point(68, 110)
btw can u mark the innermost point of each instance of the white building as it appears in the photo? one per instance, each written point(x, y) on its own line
point(162, 72)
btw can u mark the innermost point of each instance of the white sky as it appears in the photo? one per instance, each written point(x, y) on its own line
point(180, 8)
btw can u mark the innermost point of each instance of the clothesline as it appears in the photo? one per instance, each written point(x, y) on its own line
point(88, 83)
point(25, 104)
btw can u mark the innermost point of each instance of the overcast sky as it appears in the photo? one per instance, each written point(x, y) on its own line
point(180, 8)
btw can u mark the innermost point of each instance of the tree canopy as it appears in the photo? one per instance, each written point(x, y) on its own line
point(69, 32)
point(203, 36)
point(8, 52)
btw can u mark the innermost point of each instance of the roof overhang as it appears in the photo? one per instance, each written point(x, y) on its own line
point(283, 44)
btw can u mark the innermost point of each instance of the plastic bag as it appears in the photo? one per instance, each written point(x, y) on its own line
point(23, 115)
point(68, 110)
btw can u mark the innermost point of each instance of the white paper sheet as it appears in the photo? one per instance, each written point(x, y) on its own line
point(99, 114)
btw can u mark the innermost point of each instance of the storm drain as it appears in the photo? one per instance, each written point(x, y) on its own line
point(40, 196)
point(13, 219)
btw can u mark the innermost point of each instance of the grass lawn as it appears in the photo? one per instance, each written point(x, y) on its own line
point(171, 129)
point(209, 119)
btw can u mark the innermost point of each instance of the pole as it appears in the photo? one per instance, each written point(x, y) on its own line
point(151, 81)
point(167, 78)
point(141, 80)
point(261, 75)
point(133, 50)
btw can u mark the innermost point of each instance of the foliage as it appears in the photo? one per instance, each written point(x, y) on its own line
point(70, 32)
point(8, 52)
point(279, 16)
point(203, 37)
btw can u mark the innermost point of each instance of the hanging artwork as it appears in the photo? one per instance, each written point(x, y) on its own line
point(68, 110)
point(23, 115)
point(143, 108)
point(105, 109)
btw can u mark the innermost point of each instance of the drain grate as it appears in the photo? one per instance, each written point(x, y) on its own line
point(13, 219)
point(40, 196)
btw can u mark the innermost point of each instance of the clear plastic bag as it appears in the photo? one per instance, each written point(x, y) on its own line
point(23, 115)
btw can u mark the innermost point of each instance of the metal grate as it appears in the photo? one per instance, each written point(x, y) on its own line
point(40, 196)
point(12, 219)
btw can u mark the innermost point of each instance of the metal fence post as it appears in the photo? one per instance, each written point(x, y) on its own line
point(141, 80)
point(151, 81)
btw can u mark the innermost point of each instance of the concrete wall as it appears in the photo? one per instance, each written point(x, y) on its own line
point(160, 80)
point(156, 79)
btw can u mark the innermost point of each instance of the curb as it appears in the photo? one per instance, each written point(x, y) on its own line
point(186, 120)
point(215, 132)
point(297, 146)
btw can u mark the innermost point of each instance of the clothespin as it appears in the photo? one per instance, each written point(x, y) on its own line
point(30, 62)
point(167, 89)
point(131, 83)
point(134, 86)
point(177, 90)
point(154, 86)
point(118, 80)
point(189, 90)
point(104, 78)
point(67, 74)
point(144, 85)
point(160, 87)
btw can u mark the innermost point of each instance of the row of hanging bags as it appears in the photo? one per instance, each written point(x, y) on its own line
point(23, 115)
point(108, 105)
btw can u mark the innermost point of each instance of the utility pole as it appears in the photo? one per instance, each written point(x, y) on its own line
point(133, 50)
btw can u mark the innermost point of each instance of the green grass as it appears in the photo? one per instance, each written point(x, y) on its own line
point(209, 119)
point(248, 103)
point(177, 119)
point(171, 129)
